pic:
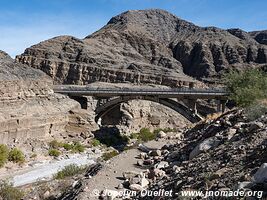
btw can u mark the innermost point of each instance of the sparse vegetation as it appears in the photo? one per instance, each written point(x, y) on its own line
point(54, 144)
point(246, 87)
point(75, 147)
point(78, 147)
point(54, 152)
point(144, 135)
point(67, 146)
point(108, 155)
point(8, 192)
point(256, 110)
point(69, 170)
point(95, 142)
point(16, 155)
point(3, 154)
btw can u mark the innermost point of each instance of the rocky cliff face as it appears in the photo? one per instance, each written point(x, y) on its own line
point(28, 107)
point(260, 36)
point(147, 46)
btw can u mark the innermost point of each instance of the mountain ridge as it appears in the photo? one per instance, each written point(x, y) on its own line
point(146, 46)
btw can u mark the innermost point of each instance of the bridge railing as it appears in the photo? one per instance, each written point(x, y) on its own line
point(138, 90)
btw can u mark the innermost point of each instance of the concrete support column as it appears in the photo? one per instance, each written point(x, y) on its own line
point(219, 106)
point(193, 105)
point(223, 102)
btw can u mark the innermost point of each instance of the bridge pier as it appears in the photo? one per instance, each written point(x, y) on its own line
point(221, 105)
point(192, 103)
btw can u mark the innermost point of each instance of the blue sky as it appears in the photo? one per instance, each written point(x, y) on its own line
point(27, 22)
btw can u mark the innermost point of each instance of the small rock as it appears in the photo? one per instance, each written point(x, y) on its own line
point(136, 187)
point(120, 186)
point(159, 172)
point(246, 184)
point(162, 165)
point(46, 194)
point(143, 148)
point(143, 156)
point(155, 153)
point(144, 182)
point(135, 180)
point(231, 132)
point(148, 162)
point(139, 163)
point(162, 134)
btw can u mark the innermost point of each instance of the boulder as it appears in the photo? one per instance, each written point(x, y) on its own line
point(205, 145)
point(261, 175)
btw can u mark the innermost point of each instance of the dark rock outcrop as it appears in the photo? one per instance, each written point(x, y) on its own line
point(260, 36)
point(145, 46)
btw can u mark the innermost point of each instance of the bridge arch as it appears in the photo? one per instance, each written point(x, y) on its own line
point(170, 103)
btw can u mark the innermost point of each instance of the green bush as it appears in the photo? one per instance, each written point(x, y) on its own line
point(108, 155)
point(78, 147)
point(53, 152)
point(69, 170)
point(134, 136)
point(8, 192)
point(67, 146)
point(3, 154)
point(246, 87)
point(256, 110)
point(146, 135)
point(54, 144)
point(16, 155)
point(95, 142)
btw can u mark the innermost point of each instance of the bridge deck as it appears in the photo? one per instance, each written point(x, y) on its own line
point(192, 93)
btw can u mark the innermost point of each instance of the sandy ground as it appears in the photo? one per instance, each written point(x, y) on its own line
point(110, 176)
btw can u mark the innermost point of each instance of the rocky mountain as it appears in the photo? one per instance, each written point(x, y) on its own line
point(28, 107)
point(260, 36)
point(146, 46)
